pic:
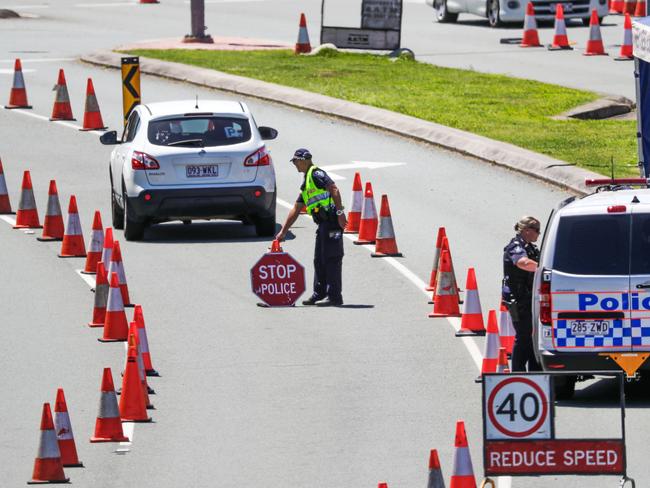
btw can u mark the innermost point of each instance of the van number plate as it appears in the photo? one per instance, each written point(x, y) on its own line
point(581, 328)
point(203, 170)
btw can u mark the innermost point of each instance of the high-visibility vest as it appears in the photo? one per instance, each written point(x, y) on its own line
point(313, 196)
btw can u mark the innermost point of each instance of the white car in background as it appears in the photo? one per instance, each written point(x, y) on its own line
point(187, 160)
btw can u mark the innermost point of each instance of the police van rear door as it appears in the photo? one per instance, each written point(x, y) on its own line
point(590, 281)
point(640, 275)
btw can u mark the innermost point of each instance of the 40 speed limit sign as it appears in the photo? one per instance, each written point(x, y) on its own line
point(517, 407)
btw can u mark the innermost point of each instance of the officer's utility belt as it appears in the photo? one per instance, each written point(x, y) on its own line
point(322, 214)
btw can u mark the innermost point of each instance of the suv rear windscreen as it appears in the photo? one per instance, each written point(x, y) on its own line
point(199, 131)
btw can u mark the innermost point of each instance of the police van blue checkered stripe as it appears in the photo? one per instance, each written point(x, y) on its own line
point(636, 335)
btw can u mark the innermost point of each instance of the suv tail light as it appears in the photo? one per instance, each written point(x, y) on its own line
point(141, 160)
point(545, 302)
point(261, 157)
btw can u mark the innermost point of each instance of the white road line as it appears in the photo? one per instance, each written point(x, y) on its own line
point(361, 165)
point(9, 220)
point(88, 278)
point(21, 7)
point(37, 60)
point(100, 5)
point(129, 431)
point(60, 122)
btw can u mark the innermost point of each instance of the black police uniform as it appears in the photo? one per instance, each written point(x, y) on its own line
point(328, 252)
point(517, 294)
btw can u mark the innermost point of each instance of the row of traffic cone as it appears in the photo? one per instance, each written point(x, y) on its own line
point(62, 110)
point(630, 7)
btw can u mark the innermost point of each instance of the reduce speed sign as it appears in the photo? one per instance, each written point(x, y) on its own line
point(517, 407)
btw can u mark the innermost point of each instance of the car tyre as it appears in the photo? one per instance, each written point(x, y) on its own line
point(443, 15)
point(133, 230)
point(117, 214)
point(493, 15)
point(265, 226)
point(565, 387)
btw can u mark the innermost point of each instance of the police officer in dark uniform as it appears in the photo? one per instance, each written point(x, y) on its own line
point(322, 200)
point(520, 258)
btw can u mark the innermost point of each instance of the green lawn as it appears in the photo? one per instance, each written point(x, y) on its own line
point(507, 109)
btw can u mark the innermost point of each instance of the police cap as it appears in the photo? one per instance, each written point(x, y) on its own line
point(301, 154)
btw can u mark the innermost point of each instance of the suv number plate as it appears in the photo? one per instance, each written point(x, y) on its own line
point(589, 327)
point(198, 171)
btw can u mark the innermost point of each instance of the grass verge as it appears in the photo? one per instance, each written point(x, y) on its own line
point(502, 108)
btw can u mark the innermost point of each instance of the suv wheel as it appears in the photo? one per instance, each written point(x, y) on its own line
point(442, 14)
point(117, 213)
point(265, 226)
point(133, 230)
point(565, 387)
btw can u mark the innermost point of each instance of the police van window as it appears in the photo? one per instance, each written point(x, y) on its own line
point(593, 245)
point(640, 244)
point(199, 131)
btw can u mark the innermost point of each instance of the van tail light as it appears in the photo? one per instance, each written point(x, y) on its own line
point(261, 157)
point(141, 160)
point(616, 209)
point(545, 302)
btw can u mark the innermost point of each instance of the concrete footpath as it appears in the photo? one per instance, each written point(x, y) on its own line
point(539, 166)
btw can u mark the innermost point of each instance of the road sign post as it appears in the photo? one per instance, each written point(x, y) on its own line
point(278, 279)
point(130, 85)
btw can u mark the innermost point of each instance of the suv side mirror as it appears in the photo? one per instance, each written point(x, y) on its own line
point(109, 138)
point(268, 133)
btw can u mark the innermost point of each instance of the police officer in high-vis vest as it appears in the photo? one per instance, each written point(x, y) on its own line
point(520, 258)
point(322, 200)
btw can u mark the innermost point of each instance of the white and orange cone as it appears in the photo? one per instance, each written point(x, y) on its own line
point(471, 323)
point(302, 45)
point(462, 475)
point(502, 365)
point(369, 220)
point(445, 301)
point(27, 214)
point(117, 266)
point(595, 45)
point(95, 246)
point(73, 240)
point(135, 342)
point(53, 221)
point(107, 252)
point(5, 203)
point(436, 259)
point(64, 435)
point(436, 479)
point(385, 243)
point(48, 467)
point(138, 318)
point(626, 53)
point(491, 352)
point(506, 329)
point(133, 407)
point(445, 247)
point(560, 39)
point(101, 297)
point(531, 36)
point(18, 94)
point(640, 10)
point(61, 109)
point(108, 427)
point(354, 215)
point(92, 115)
point(116, 327)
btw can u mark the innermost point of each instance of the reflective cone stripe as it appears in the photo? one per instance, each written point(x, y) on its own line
point(303, 45)
point(132, 402)
point(369, 220)
point(18, 93)
point(472, 319)
point(506, 330)
point(445, 246)
point(108, 427)
point(640, 10)
point(463, 472)
point(61, 109)
point(116, 328)
point(531, 36)
point(27, 214)
point(354, 215)
point(491, 352)
point(138, 318)
point(445, 301)
point(595, 43)
point(73, 239)
point(53, 221)
point(108, 246)
point(134, 341)
point(629, 6)
point(48, 467)
point(436, 259)
point(92, 115)
point(5, 204)
point(626, 47)
point(560, 39)
point(502, 365)
point(101, 297)
point(436, 479)
point(117, 266)
point(95, 246)
point(64, 434)
point(385, 243)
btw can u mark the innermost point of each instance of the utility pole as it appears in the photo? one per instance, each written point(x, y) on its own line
point(197, 8)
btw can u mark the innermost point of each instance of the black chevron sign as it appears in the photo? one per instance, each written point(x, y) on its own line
point(130, 85)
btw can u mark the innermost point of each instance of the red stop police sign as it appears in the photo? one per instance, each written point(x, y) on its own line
point(278, 279)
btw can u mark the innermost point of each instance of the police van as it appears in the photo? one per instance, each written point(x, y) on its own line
point(591, 311)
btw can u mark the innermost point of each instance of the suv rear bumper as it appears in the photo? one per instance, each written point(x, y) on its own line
point(589, 361)
point(203, 203)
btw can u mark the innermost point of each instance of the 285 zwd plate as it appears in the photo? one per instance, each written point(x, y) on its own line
point(202, 170)
point(580, 328)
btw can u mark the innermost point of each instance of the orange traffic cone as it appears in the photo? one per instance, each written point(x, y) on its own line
point(385, 240)
point(354, 215)
point(53, 222)
point(506, 329)
point(134, 341)
point(640, 10)
point(27, 214)
point(108, 427)
point(626, 53)
point(138, 317)
point(445, 247)
point(303, 45)
point(73, 240)
point(445, 302)
point(276, 246)
point(18, 94)
point(94, 254)
point(101, 297)
point(64, 434)
point(595, 43)
point(61, 109)
point(48, 467)
point(436, 259)
point(616, 7)
point(369, 221)
point(382, 485)
point(116, 327)
point(132, 401)
point(5, 204)
point(117, 266)
point(149, 1)
point(491, 352)
point(436, 479)
point(463, 472)
point(560, 39)
point(531, 37)
point(92, 115)
point(502, 365)
point(629, 6)
point(472, 320)
point(107, 252)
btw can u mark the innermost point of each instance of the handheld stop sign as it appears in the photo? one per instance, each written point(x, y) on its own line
point(277, 278)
